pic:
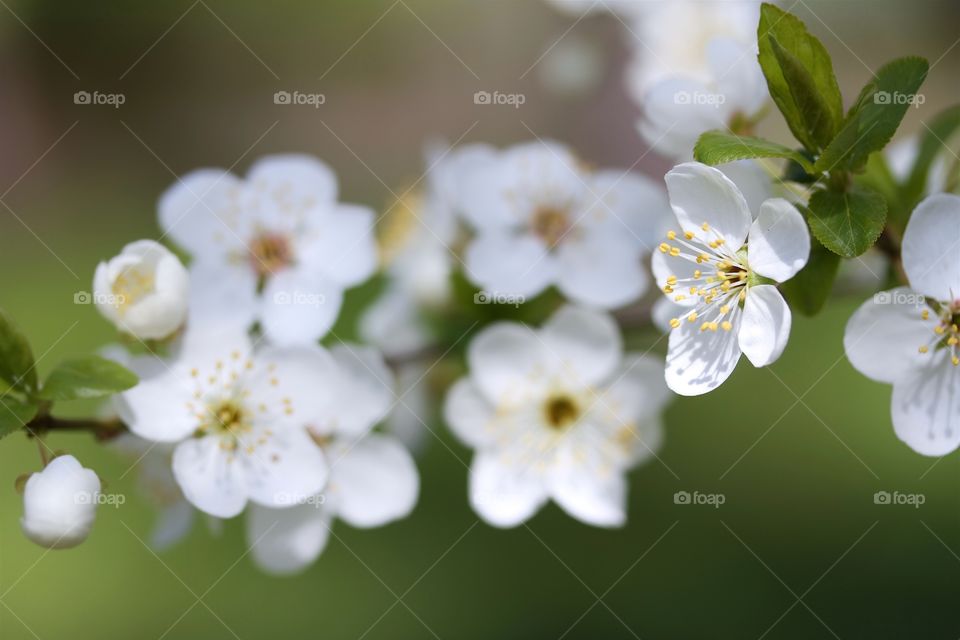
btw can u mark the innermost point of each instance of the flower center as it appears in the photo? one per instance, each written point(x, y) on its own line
point(561, 411)
point(131, 285)
point(719, 283)
point(550, 224)
point(269, 253)
point(946, 333)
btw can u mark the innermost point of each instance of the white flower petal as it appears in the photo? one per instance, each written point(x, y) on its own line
point(700, 361)
point(765, 326)
point(737, 75)
point(286, 541)
point(282, 468)
point(674, 117)
point(638, 391)
point(299, 308)
point(601, 269)
point(665, 310)
point(883, 337)
point(630, 204)
point(172, 525)
point(157, 407)
point(700, 194)
point(779, 242)
point(469, 414)
point(931, 247)
point(211, 480)
point(586, 488)
point(364, 393)
point(301, 181)
point(374, 480)
point(664, 266)
point(583, 347)
point(394, 324)
point(201, 213)
point(508, 264)
point(504, 495)
point(221, 296)
point(926, 407)
point(340, 245)
point(754, 182)
point(508, 363)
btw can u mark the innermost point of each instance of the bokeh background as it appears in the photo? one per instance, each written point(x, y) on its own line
point(799, 549)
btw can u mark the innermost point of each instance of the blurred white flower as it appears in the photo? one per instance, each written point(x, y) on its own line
point(281, 230)
point(60, 504)
point(239, 418)
point(373, 479)
point(722, 269)
point(143, 291)
point(542, 219)
point(908, 336)
point(556, 413)
point(694, 69)
point(901, 156)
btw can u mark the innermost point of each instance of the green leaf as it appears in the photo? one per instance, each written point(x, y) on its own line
point(875, 116)
point(14, 414)
point(717, 147)
point(800, 77)
point(808, 290)
point(86, 377)
point(16, 358)
point(933, 140)
point(847, 223)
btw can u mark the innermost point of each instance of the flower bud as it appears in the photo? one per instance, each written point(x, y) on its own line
point(60, 503)
point(143, 291)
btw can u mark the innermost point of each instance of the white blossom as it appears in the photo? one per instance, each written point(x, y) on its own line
point(144, 291)
point(721, 270)
point(279, 236)
point(556, 413)
point(541, 219)
point(908, 336)
point(60, 503)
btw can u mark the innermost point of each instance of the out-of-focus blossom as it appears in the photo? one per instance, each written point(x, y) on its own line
point(556, 413)
point(239, 418)
point(541, 218)
point(373, 479)
point(144, 291)
point(60, 504)
point(722, 268)
point(908, 336)
point(280, 232)
point(694, 69)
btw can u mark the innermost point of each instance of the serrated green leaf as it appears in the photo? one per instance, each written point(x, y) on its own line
point(86, 377)
point(718, 147)
point(14, 414)
point(874, 118)
point(847, 222)
point(16, 357)
point(800, 77)
point(809, 289)
point(933, 141)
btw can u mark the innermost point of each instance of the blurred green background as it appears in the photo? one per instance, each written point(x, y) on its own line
point(798, 549)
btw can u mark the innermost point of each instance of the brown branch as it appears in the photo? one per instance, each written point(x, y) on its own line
point(102, 430)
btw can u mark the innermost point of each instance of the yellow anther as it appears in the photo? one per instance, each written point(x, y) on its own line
point(668, 289)
point(692, 317)
point(696, 274)
point(727, 326)
point(671, 279)
point(955, 360)
point(724, 309)
point(743, 296)
point(688, 235)
point(693, 290)
point(938, 329)
point(925, 314)
point(675, 251)
point(664, 247)
point(705, 226)
point(725, 286)
point(671, 235)
point(923, 349)
point(953, 340)
point(705, 257)
point(675, 323)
